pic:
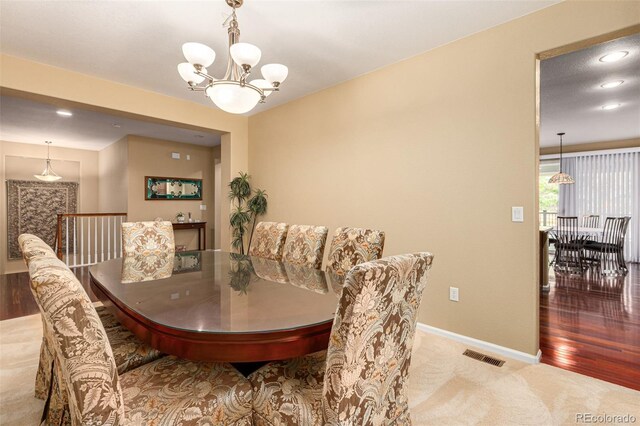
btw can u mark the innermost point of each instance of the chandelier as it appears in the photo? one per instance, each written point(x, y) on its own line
point(48, 175)
point(561, 178)
point(232, 93)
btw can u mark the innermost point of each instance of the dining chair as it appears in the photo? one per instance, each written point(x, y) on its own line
point(590, 221)
point(363, 374)
point(304, 245)
point(166, 391)
point(129, 352)
point(351, 246)
point(268, 241)
point(142, 238)
point(608, 253)
point(568, 246)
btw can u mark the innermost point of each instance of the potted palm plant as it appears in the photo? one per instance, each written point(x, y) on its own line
point(246, 209)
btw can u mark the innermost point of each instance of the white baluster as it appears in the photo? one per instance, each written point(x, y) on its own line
point(95, 239)
point(88, 241)
point(102, 238)
point(75, 240)
point(66, 241)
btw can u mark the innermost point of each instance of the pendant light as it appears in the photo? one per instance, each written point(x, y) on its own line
point(561, 178)
point(48, 175)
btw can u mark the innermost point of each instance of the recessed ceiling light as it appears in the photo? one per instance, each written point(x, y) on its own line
point(615, 56)
point(64, 113)
point(116, 125)
point(611, 84)
point(611, 106)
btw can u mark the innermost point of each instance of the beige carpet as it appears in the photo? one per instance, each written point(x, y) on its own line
point(446, 388)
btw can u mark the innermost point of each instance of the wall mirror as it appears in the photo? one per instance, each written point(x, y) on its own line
point(169, 188)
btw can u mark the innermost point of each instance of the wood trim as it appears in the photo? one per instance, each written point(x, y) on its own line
point(218, 347)
point(89, 214)
point(593, 146)
point(582, 44)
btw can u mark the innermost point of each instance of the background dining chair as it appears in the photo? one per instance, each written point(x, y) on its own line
point(166, 391)
point(129, 352)
point(363, 374)
point(140, 238)
point(305, 245)
point(568, 245)
point(590, 221)
point(268, 241)
point(351, 246)
point(608, 253)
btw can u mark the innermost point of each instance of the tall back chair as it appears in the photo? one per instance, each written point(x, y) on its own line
point(352, 246)
point(84, 361)
point(268, 240)
point(590, 221)
point(568, 245)
point(363, 375)
point(610, 250)
point(305, 245)
point(143, 238)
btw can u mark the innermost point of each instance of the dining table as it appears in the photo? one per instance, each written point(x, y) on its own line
point(219, 306)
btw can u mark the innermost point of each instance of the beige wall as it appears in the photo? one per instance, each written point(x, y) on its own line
point(22, 161)
point(435, 150)
point(113, 177)
point(152, 157)
point(67, 88)
point(594, 146)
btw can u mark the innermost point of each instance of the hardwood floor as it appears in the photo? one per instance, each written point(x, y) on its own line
point(591, 325)
point(16, 299)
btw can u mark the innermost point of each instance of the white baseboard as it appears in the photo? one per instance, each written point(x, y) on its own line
point(492, 347)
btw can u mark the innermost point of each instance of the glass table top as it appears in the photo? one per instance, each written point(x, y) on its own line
point(219, 292)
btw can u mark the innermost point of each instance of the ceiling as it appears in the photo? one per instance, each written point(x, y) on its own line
point(322, 42)
point(571, 98)
point(28, 121)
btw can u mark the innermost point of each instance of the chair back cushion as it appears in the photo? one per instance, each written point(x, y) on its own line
point(268, 240)
point(32, 246)
point(371, 340)
point(352, 246)
point(83, 356)
point(305, 245)
point(142, 238)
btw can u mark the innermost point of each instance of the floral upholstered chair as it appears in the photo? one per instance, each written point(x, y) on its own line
point(351, 246)
point(167, 391)
point(268, 241)
point(305, 245)
point(142, 238)
point(129, 352)
point(362, 378)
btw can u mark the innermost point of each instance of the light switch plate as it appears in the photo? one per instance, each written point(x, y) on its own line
point(175, 155)
point(188, 157)
point(517, 214)
point(454, 294)
point(203, 206)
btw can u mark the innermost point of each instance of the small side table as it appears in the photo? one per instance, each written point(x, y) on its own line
point(200, 226)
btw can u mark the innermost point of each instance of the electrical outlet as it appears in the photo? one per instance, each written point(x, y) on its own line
point(454, 294)
point(188, 157)
point(203, 206)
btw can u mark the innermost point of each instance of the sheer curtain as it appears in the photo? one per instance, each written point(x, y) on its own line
point(606, 185)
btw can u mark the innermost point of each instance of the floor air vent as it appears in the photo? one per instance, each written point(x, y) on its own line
point(484, 358)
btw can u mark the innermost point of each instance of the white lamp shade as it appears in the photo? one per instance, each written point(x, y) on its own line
point(262, 84)
point(274, 73)
point(198, 54)
point(233, 98)
point(188, 73)
point(48, 178)
point(245, 54)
